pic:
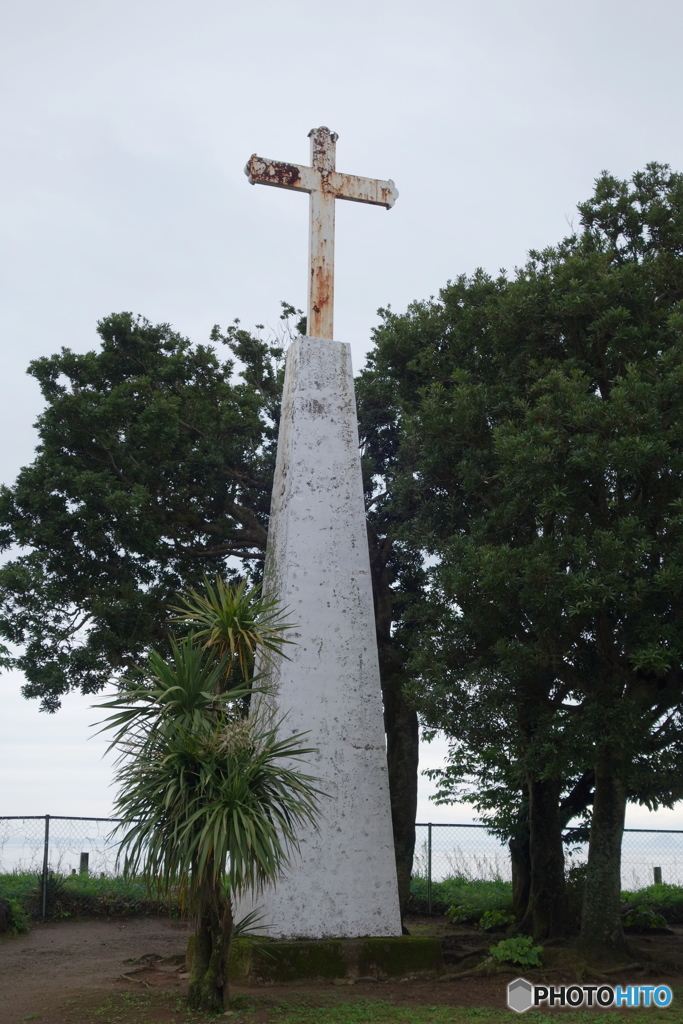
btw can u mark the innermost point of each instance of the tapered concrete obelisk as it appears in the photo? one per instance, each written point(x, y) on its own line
point(343, 884)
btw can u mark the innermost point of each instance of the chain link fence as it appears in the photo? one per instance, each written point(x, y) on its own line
point(450, 850)
point(47, 843)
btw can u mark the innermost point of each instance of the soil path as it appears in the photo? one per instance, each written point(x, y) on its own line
point(61, 972)
point(58, 967)
point(55, 960)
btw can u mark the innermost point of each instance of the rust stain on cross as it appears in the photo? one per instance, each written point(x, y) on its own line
point(325, 185)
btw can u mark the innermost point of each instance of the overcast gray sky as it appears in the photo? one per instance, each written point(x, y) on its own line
point(125, 127)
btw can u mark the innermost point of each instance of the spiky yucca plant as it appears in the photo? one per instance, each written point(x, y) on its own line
point(235, 622)
point(209, 798)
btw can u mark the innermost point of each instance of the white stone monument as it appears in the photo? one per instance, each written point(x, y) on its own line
point(343, 884)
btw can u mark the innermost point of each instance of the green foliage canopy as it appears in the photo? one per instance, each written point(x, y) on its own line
point(543, 450)
point(154, 471)
point(154, 467)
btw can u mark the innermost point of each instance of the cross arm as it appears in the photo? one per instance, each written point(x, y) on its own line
point(261, 171)
point(363, 190)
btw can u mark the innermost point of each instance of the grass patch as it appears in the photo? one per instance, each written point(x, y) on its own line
point(160, 1008)
point(663, 899)
point(84, 896)
point(469, 898)
point(131, 1008)
point(359, 1011)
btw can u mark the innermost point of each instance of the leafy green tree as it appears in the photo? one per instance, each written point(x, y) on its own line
point(208, 798)
point(543, 457)
point(154, 468)
point(492, 763)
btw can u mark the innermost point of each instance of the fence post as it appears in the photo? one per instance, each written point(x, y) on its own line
point(658, 876)
point(46, 849)
point(429, 868)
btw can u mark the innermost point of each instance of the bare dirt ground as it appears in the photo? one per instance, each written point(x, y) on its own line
point(54, 961)
point(60, 971)
point(77, 972)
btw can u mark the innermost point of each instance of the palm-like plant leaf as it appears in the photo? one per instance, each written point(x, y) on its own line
point(201, 789)
point(208, 798)
point(193, 809)
point(182, 690)
point(235, 622)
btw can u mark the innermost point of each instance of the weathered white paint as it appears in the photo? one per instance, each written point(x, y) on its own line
point(344, 882)
point(325, 184)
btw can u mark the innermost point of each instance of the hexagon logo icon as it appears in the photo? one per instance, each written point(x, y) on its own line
point(519, 995)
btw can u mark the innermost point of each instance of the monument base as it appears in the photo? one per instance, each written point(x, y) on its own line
point(270, 962)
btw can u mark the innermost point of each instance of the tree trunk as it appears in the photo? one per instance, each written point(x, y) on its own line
point(205, 990)
point(400, 721)
point(228, 932)
point(544, 917)
point(208, 988)
point(601, 924)
point(520, 860)
point(403, 751)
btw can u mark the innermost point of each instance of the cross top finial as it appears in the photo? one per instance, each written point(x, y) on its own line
point(324, 184)
point(323, 149)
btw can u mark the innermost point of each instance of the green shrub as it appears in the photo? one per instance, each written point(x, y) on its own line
point(53, 896)
point(494, 919)
point(467, 900)
point(18, 921)
point(17, 885)
point(463, 899)
point(641, 916)
point(519, 950)
point(472, 900)
point(664, 900)
point(444, 893)
point(84, 896)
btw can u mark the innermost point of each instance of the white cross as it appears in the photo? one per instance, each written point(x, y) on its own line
point(324, 184)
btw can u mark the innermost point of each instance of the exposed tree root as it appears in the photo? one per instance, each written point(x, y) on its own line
point(624, 967)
